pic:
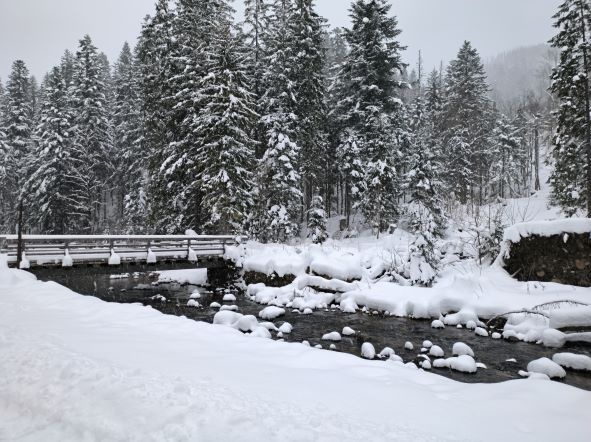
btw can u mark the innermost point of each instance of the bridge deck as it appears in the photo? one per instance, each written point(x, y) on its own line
point(68, 250)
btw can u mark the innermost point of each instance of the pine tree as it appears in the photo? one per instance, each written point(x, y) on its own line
point(279, 182)
point(506, 168)
point(156, 47)
point(317, 221)
point(307, 56)
point(56, 180)
point(466, 126)
point(17, 123)
point(434, 93)
point(227, 151)
point(372, 109)
point(4, 195)
point(131, 159)
point(256, 24)
point(92, 143)
point(336, 177)
point(571, 178)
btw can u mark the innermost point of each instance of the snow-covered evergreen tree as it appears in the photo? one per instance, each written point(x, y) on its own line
point(92, 141)
point(55, 183)
point(317, 221)
point(226, 149)
point(155, 48)
point(256, 26)
point(4, 195)
point(424, 188)
point(131, 171)
point(571, 178)
point(434, 92)
point(508, 158)
point(307, 56)
point(466, 125)
point(372, 108)
point(18, 128)
point(279, 182)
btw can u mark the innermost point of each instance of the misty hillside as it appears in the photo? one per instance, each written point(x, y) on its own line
point(520, 72)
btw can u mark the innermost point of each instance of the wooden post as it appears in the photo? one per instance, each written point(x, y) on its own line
point(19, 246)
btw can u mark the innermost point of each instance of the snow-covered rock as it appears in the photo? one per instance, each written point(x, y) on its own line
point(333, 336)
point(546, 366)
point(368, 351)
point(348, 331)
point(232, 308)
point(573, 361)
point(228, 318)
point(387, 352)
point(463, 363)
point(408, 346)
point(247, 323)
point(459, 349)
point(437, 324)
point(193, 303)
point(471, 325)
point(261, 332)
point(215, 305)
point(229, 297)
point(436, 351)
point(308, 311)
point(271, 312)
point(195, 295)
point(496, 335)
point(427, 344)
point(286, 328)
point(481, 332)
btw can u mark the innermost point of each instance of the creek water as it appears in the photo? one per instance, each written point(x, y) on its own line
point(503, 358)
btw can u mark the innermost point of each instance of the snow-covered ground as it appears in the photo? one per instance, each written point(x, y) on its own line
point(75, 368)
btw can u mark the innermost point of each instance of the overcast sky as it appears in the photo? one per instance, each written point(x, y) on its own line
point(38, 31)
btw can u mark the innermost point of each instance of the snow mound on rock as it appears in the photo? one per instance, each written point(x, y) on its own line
point(460, 349)
point(546, 366)
point(463, 363)
point(333, 336)
point(271, 312)
point(348, 331)
point(368, 351)
point(573, 361)
point(286, 328)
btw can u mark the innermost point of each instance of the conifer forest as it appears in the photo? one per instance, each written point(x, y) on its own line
point(271, 125)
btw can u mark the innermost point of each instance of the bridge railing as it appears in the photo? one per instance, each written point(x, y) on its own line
point(68, 249)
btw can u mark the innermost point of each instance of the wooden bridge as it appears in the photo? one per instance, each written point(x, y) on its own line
point(32, 251)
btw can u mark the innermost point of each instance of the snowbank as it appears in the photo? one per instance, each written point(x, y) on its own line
point(515, 233)
point(127, 372)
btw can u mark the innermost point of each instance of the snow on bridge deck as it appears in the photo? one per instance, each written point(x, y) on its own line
point(69, 250)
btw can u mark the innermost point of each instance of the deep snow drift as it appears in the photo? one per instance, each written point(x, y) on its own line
point(75, 368)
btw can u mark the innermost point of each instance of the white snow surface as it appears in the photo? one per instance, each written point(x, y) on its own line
point(76, 368)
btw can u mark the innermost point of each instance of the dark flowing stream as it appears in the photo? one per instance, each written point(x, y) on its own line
point(380, 330)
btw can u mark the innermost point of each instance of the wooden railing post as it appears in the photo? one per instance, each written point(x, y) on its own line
point(19, 246)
